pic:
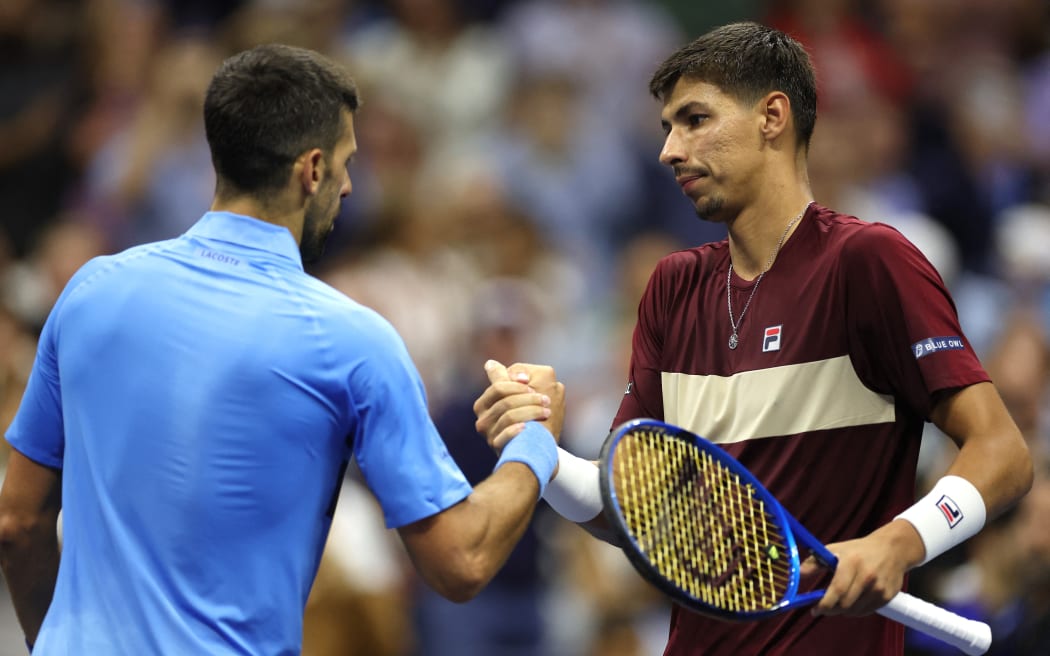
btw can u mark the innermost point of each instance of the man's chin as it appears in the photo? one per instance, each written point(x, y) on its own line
point(313, 251)
point(710, 212)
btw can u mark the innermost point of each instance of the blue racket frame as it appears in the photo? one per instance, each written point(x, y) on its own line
point(788, 524)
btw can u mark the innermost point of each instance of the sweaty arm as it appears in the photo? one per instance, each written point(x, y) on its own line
point(458, 550)
point(29, 505)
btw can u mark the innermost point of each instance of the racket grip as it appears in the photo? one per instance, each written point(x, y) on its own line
point(971, 636)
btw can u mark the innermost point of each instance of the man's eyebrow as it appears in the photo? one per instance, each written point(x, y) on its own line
point(684, 110)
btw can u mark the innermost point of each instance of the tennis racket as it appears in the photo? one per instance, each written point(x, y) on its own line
point(701, 528)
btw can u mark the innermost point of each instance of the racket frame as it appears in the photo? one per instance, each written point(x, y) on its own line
point(788, 526)
point(972, 637)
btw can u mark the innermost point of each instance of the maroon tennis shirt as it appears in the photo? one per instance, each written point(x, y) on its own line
point(846, 341)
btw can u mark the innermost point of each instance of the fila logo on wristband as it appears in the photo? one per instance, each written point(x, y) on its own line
point(950, 510)
point(943, 505)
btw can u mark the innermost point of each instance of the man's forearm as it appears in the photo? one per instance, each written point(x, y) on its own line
point(993, 455)
point(31, 567)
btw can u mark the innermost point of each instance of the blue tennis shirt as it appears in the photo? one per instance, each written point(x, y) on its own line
point(202, 396)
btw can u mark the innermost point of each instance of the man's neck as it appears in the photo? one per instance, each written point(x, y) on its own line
point(248, 206)
point(758, 232)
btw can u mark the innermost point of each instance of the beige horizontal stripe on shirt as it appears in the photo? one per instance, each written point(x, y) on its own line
point(787, 400)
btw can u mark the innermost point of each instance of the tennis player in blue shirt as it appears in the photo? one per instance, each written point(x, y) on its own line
point(194, 403)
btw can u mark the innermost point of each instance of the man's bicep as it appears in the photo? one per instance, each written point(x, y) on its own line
point(905, 337)
point(433, 542)
point(38, 428)
point(427, 538)
point(993, 455)
point(974, 411)
point(31, 490)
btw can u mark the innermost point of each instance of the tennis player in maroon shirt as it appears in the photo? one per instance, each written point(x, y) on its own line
point(811, 345)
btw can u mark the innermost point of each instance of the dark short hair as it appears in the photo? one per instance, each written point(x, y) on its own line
point(747, 61)
point(268, 105)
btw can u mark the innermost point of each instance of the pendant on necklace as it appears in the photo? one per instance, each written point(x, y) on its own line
point(733, 341)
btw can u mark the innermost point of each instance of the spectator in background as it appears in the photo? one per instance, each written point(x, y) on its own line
point(967, 147)
point(1033, 598)
point(596, 395)
point(149, 179)
point(448, 74)
point(39, 99)
point(568, 167)
point(575, 36)
point(360, 603)
point(31, 286)
point(576, 144)
point(120, 39)
point(853, 58)
point(315, 24)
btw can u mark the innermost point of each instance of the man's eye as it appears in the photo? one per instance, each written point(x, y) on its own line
point(696, 119)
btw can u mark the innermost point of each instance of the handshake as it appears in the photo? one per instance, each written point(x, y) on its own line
point(516, 397)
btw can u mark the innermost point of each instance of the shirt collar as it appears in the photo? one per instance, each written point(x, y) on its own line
point(248, 232)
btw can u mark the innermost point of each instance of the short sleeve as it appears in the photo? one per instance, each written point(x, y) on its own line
point(904, 332)
point(397, 447)
point(38, 429)
point(643, 396)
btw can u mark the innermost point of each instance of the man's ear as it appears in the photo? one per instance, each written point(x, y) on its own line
point(311, 170)
point(775, 110)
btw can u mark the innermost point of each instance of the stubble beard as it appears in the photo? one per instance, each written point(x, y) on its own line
point(709, 208)
point(318, 224)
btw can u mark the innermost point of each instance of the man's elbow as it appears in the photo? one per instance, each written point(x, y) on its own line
point(465, 576)
point(1024, 470)
point(18, 531)
point(463, 592)
point(1016, 472)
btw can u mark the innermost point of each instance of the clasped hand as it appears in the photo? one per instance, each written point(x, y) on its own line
point(516, 395)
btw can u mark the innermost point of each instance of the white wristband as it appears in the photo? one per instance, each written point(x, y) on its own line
point(950, 514)
point(575, 492)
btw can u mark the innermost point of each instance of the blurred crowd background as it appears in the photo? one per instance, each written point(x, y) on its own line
point(508, 203)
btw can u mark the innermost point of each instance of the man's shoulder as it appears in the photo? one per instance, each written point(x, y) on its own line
point(846, 237)
point(848, 228)
point(691, 260)
point(342, 312)
point(98, 267)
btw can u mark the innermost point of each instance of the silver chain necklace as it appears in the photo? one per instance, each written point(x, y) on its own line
point(734, 339)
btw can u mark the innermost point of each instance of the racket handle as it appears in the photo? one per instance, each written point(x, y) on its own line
point(971, 636)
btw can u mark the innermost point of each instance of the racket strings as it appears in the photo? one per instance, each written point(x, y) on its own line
point(699, 524)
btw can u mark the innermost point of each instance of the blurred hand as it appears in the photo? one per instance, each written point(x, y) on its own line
point(870, 570)
point(507, 404)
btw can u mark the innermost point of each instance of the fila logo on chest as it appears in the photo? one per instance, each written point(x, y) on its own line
point(771, 338)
